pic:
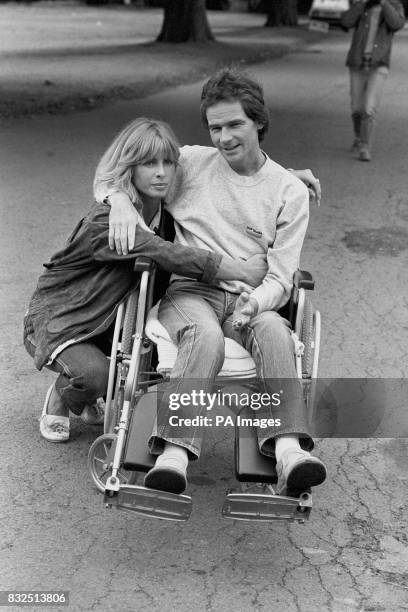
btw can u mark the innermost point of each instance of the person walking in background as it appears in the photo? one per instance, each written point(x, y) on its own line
point(374, 23)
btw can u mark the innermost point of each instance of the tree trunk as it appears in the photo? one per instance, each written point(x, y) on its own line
point(185, 21)
point(281, 13)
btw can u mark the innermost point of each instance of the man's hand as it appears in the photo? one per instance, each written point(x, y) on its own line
point(255, 269)
point(123, 220)
point(311, 182)
point(245, 308)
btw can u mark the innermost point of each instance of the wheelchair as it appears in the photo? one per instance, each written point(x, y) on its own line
point(117, 458)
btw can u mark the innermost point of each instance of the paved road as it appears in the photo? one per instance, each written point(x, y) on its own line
point(352, 555)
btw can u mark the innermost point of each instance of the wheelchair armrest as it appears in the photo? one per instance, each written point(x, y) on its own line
point(303, 280)
point(143, 264)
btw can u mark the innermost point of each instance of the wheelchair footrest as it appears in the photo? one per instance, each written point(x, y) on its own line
point(151, 503)
point(266, 507)
point(250, 465)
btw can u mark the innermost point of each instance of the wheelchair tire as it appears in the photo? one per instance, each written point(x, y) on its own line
point(307, 337)
point(112, 418)
point(100, 456)
point(129, 322)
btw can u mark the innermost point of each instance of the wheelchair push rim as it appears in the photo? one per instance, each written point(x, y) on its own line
point(100, 459)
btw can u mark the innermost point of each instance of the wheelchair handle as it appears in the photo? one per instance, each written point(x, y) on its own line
point(303, 280)
point(143, 264)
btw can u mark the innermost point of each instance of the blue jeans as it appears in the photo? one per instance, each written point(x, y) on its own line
point(83, 374)
point(197, 317)
point(366, 87)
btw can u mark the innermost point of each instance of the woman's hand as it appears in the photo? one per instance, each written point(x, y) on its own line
point(311, 182)
point(123, 221)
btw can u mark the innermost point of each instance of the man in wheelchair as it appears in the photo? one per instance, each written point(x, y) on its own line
point(234, 200)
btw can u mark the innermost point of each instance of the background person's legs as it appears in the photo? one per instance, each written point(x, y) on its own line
point(374, 87)
point(357, 99)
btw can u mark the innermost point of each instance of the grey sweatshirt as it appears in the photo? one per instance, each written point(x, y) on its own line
point(217, 209)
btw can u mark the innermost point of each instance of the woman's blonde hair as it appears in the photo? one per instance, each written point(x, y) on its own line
point(141, 140)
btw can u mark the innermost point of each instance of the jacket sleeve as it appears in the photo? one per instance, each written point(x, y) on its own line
point(187, 261)
point(284, 255)
point(349, 18)
point(393, 13)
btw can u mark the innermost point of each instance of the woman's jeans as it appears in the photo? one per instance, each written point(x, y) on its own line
point(366, 87)
point(83, 374)
point(197, 317)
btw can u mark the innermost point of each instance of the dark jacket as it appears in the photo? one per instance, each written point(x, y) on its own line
point(392, 18)
point(77, 296)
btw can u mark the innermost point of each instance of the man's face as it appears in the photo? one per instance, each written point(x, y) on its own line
point(235, 135)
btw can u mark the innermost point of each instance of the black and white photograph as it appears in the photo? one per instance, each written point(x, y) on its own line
point(204, 305)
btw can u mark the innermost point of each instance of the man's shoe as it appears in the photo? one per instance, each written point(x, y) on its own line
point(54, 428)
point(298, 471)
point(169, 476)
point(94, 414)
point(364, 154)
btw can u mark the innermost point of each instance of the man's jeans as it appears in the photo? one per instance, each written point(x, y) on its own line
point(197, 317)
point(366, 87)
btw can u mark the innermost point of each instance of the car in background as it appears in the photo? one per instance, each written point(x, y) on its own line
point(328, 11)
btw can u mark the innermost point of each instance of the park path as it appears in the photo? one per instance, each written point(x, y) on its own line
point(352, 555)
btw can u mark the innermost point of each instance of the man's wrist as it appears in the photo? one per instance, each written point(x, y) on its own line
point(106, 200)
point(116, 198)
point(255, 305)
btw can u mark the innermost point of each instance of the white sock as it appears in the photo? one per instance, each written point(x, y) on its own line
point(283, 443)
point(173, 451)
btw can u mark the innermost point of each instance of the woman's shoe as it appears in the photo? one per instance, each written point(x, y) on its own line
point(94, 414)
point(53, 427)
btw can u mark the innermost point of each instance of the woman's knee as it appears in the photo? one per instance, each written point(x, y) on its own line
point(90, 379)
point(95, 377)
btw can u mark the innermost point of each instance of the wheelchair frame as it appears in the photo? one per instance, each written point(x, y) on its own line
point(256, 499)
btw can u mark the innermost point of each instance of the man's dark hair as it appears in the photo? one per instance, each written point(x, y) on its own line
point(230, 85)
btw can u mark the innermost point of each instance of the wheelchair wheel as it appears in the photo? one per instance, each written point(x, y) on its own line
point(129, 322)
point(307, 337)
point(112, 419)
point(100, 458)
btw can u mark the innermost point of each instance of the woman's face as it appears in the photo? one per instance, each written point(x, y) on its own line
point(152, 179)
